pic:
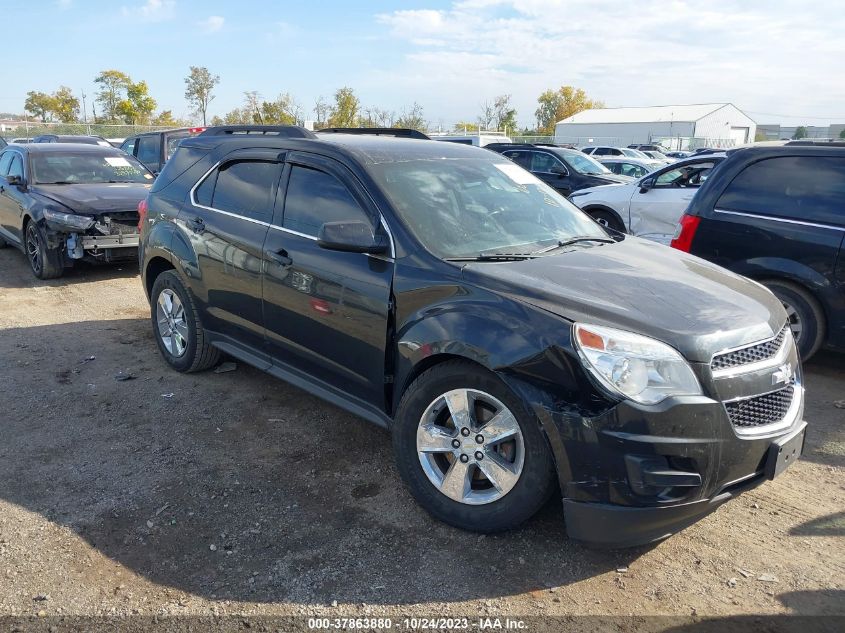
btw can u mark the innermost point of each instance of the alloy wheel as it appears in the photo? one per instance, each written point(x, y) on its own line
point(33, 248)
point(795, 322)
point(470, 446)
point(172, 326)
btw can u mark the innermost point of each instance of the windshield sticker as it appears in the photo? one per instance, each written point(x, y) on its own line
point(117, 161)
point(516, 173)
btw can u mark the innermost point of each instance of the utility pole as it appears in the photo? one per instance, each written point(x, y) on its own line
point(85, 114)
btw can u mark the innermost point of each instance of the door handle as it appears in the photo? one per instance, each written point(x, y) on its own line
point(197, 225)
point(280, 257)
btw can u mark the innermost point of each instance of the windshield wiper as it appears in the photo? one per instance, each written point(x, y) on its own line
point(574, 240)
point(492, 257)
point(58, 182)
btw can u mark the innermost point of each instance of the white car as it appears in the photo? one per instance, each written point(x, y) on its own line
point(651, 206)
point(624, 166)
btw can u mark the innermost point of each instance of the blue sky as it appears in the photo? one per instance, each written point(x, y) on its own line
point(777, 60)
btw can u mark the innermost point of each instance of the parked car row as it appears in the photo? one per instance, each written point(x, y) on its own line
point(514, 344)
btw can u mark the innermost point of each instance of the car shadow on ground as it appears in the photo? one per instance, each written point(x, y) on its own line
point(16, 272)
point(238, 486)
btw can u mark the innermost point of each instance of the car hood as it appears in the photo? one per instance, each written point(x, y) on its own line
point(635, 285)
point(589, 190)
point(93, 199)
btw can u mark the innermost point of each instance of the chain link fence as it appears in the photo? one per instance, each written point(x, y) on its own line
point(29, 130)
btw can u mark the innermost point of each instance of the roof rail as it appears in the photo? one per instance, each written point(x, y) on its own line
point(399, 132)
point(818, 143)
point(289, 131)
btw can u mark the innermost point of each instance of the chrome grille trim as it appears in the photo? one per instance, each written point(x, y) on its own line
point(749, 354)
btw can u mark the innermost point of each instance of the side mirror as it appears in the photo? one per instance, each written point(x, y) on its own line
point(17, 181)
point(560, 170)
point(646, 184)
point(351, 237)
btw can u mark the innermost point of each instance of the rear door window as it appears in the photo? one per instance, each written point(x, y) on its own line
point(809, 188)
point(543, 163)
point(129, 146)
point(523, 159)
point(242, 187)
point(148, 151)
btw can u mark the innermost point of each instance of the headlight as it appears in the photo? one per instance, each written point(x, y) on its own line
point(68, 220)
point(634, 366)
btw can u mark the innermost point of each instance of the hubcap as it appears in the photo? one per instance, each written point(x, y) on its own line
point(172, 326)
point(470, 446)
point(795, 323)
point(33, 248)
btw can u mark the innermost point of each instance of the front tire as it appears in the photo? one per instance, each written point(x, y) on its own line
point(45, 262)
point(806, 318)
point(177, 327)
point(468, 450)
point(608, 219)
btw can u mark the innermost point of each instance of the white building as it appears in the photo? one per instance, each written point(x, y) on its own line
point(675, 126)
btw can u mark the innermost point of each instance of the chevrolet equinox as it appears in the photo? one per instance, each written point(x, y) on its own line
point(512, 345)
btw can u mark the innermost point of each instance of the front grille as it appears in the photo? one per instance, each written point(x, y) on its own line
point(761, 410)
point(750, 354)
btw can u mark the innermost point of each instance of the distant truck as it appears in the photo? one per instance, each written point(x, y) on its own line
point(154, 148)
point(479, 139)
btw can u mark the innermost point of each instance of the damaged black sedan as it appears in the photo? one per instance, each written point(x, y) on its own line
point(60, 203)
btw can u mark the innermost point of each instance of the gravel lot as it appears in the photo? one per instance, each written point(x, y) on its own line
point(234, 493)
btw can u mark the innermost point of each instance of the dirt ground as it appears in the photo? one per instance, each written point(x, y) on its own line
point(220, 493)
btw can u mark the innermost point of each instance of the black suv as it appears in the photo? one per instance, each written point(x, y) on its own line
point(565, 170)
point(777, 215)
point(153, 149)
point(511, 344)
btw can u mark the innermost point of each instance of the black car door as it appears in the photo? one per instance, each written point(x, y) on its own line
point(325, 312)
point(12, 198)
point(226, 219)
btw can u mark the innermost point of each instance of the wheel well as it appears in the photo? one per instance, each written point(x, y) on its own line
point(801, 286)
point(601, 207)
point(156, 266)
point(423, 366)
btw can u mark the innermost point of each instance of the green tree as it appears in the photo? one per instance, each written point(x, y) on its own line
point(283, 111)
point(66, 105)
point(199, 86)
point(412, 118)
point(346, 109)
point(166, 118)
point(842, 134)
point(504, 116)
point(556, 105)
point(138, 105)
point(465, 127)
point(40, 104)
point(800, 132)
point(113, 87)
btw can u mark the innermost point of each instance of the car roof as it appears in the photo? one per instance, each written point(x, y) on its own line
point(626, 159)
point(362, 148)
point(52, 148)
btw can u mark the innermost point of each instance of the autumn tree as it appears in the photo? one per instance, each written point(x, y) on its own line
point(504, 115)
point(485, 118)
point(113, 85)
point(556, 105)
point(377, 117)
point(465, 127)
point(345, 111)
point(40, 104)
point(138, 106)
point(199, 87)
point(412, 118)
point(321, 110)
point(283, 111)
point(65, 105)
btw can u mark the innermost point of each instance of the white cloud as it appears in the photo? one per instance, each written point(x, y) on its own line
point(151, 10)
point(212, 24)
point(766, 57)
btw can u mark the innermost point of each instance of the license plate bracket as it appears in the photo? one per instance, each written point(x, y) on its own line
point(784, 451)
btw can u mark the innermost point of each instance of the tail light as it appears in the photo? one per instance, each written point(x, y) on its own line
point(196, 130)
point(684, 234)
point(142, 214)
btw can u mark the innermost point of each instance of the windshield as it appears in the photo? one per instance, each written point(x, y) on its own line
point(583, 164)
point(467, 207)
point(634, 153)
point(86, 168)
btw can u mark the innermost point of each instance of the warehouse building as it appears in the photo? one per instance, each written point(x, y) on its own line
point(673, 126)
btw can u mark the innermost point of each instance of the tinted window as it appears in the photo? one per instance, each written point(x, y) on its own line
point(129, 145)
point(16, 168)
point(800, 187)
point(5, 161)
point(523, 159)
point(246, 187)
point(542, 162)
point(204, 193)
point(148, 150)
point(687, 176)
point(314, 197)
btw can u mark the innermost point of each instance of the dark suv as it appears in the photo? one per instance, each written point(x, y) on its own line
point(564, 170)
point(777, 215)
point(153, 149)
point(512, 345)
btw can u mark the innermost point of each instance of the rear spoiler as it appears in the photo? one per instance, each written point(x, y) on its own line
point(288, 131)
point(399, 132)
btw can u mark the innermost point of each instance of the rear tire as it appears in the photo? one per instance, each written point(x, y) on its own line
point(177, 327)
point(806, 318)
point(45, 263)
point(425, 437)
point(607, 218)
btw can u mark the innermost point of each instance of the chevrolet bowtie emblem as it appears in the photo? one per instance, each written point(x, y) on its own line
point(782, 375)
